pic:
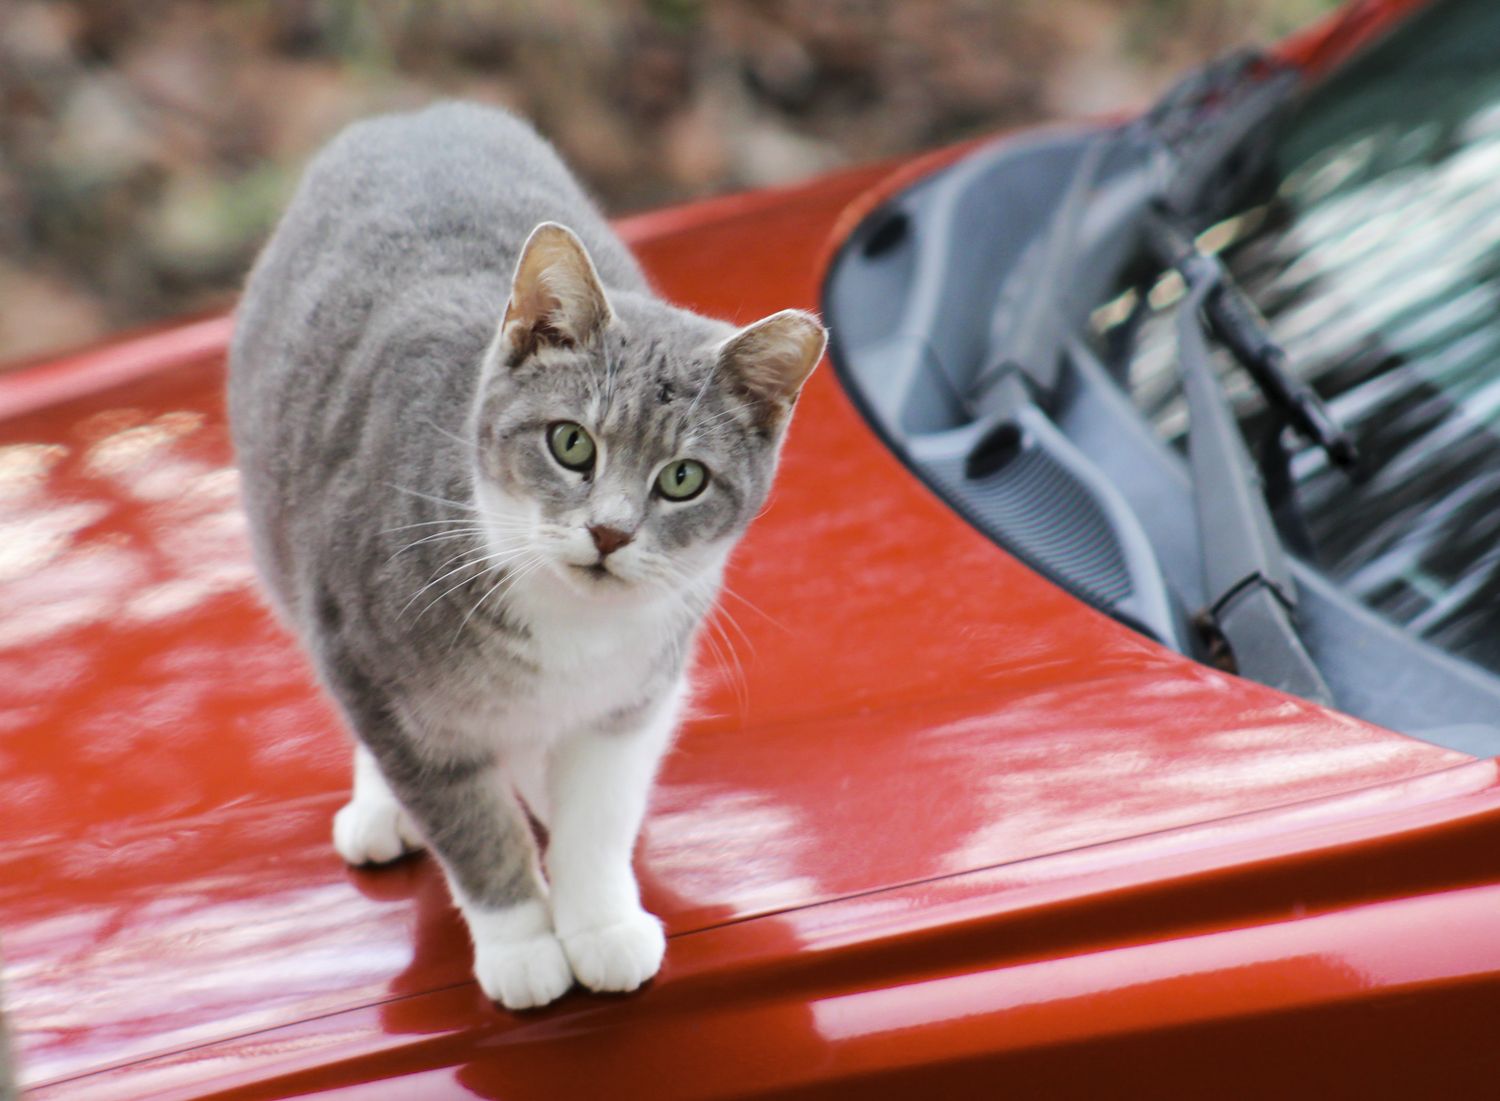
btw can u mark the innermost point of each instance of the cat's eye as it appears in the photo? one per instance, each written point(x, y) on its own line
point(682, 480)
point(571, 445)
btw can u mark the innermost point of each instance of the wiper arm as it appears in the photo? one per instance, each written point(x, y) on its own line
point(1237, 324)
point(1251, 595)
point(1204, 141)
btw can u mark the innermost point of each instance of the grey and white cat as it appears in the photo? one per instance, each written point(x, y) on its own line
point(492, 482)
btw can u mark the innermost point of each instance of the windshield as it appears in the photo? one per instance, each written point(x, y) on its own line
point(1377, 265)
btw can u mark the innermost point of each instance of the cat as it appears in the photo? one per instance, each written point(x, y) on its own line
point(492, 482)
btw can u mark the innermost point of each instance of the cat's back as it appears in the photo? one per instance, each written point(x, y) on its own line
point(449, 191)
point(454, 180)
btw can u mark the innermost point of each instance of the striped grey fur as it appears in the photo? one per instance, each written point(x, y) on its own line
point(375, 401)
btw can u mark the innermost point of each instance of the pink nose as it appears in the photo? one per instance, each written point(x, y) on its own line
point(609, 540)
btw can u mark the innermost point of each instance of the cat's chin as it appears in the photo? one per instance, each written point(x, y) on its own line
point(598, 583)
point(596, 578)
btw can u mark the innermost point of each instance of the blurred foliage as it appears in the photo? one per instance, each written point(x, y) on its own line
point(145, 147)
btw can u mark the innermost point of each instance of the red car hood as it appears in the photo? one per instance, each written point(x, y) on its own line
point(897, 715)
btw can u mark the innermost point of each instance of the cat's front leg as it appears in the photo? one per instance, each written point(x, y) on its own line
point(598, 783)
point(477, 830)
point(373, 827)
point(463, 808)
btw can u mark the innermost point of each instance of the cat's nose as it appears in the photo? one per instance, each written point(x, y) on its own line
point(608, 539)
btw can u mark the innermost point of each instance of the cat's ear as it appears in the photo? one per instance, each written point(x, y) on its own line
point(771, 359)
point(555, 297)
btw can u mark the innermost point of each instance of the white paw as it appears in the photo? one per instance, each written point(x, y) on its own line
point(522, 974)
point(619, 955)
point(374, 831)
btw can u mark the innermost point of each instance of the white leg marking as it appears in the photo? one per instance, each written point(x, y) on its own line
point(517, 958)
point(372, 828)
point(599, 784)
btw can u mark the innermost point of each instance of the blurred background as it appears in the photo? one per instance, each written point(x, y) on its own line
point(146, 146)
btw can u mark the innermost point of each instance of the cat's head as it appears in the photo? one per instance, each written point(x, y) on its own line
point(623, 446)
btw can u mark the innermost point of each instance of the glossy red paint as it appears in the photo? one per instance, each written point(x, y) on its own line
point(938, 824)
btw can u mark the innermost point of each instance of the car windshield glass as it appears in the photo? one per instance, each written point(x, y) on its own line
point(1377, 265)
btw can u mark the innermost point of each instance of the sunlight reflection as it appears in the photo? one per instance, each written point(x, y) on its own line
point(72, 552)
point(700, 834)
point(123, 451)
point(184, 593)
point(1044, 793)
point(37, 537)
point(24, 466)
point(1141, 979)
point(211, 956)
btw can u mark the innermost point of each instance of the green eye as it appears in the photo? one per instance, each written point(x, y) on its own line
point(682, 480)
point(571, 445)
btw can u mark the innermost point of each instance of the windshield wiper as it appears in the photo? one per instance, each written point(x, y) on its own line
point(1251, 596)
point(1205, 143)
point(1237, 324)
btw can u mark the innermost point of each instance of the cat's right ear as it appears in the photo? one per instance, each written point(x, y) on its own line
point(555, 296)
point(771, 359)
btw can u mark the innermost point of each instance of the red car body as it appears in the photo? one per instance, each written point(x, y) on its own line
point(939, 826)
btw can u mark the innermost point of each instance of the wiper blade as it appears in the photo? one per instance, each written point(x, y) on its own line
point(1251, 595)
point(1238, 325)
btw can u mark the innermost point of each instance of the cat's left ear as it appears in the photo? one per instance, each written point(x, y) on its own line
point(555, 296)
point(771, 359)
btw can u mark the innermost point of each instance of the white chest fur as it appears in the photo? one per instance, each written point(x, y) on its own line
point(588, 661)
point(590, 666)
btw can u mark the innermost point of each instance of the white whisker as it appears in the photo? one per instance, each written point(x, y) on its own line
point(430, 497)
point(509, 579)
point(721, 416)
point(499, 557)
point(713, 616)
point(419, 524)
point(774, 622)
point(708, 378)
point(441, 536)
point(470, 444)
